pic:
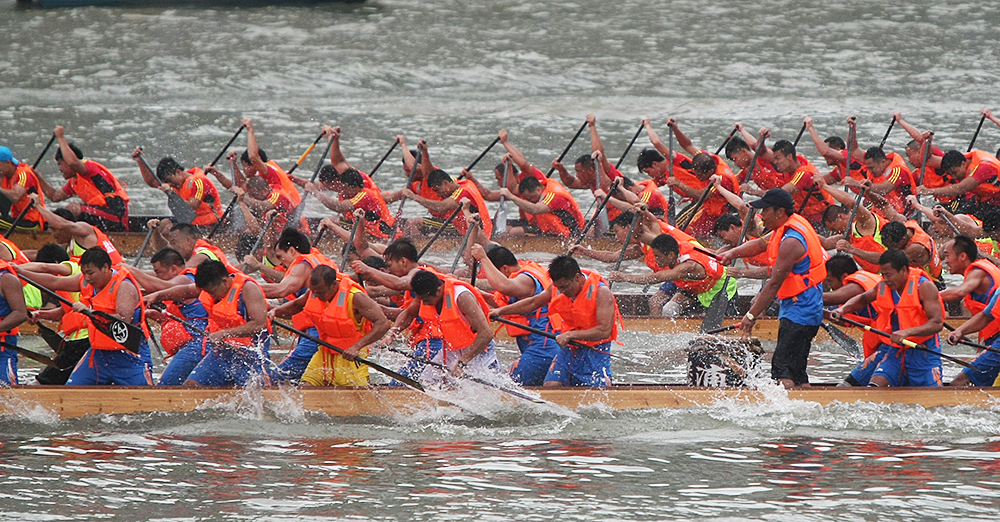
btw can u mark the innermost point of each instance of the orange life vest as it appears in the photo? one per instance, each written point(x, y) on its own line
point(105, 300)
point(174, 335)
point(90, 194)
point(933, 267)
point(818, 200)
point(909, 311)
point(206, 213)
point(984, 191)
point(285, 185)
point(713, 269)
point(449, 325)
point(5, 267)
point(468, 187)
point(974, 306)
point(385, 218)
point(539, 275)
point(76, 251)
point(872, 243)
point(867, 281)
point(581, 313)
point(896, 169)
point(27, 178)
point(334, 319)
point(225, 314)
point(18, 257)
point(795, 284)
point(549, 222)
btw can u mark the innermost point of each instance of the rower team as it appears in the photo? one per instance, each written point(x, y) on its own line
point(217, 321)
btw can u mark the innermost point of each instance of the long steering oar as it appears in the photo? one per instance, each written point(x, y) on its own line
point(846, 342)
point(399, 211)
point(593, 219)
point(887, 132)
point(294, 215)
point(575, 344)
point(440, 229)
point(384, 157)
point(628, 239)
point(260, 238)
point(720, 302)
point(976, 135)
point(34, 356)
point(909, 344)
point(305, 154)
point(125, 334)
point(181, 211)
point(566, 150)
point(373, 365)
point(500, 218)
point(428, 362)
point(17, 220)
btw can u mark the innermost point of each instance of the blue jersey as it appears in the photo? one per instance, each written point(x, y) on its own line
point(807, 307)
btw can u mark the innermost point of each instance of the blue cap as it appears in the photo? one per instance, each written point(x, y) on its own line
point(7, 155)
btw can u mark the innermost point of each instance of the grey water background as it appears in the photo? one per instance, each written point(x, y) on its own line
point(178, 80)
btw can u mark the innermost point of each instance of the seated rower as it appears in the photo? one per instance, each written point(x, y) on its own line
point(71, 340)
point(981, 279)
point(452, 195)
point(255, 164)
point(590, 173)
point(835, 151)
point(865, 242)
point(105, 203)
point(185, 346)
point(589, 315)
point(187, 241)
point(843, 281)
point(519, 169)
point(338, 163)
point(916, 244)
point(13, 312)
point(343, 315)
point(79, 235)
point(909, 307)
point(256, 201)
point(974, 182)
point(514, 280)
point(192, 185)
point(654, 163)
point(353, 196)
point(17, 180)
point(545, 209)
point(987, 363)
point(111, 289)
point(448, 318)
point(728, 230)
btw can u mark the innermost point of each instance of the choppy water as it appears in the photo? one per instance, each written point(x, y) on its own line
point(177, 81)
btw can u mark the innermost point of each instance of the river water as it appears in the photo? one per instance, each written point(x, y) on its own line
point(177, 82)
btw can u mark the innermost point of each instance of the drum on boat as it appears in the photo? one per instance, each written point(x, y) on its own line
point(716, 362)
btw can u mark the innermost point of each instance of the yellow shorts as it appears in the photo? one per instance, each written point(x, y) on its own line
point(331, 369)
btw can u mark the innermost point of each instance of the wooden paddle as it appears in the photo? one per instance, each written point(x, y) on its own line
point(618, 163)
point(142, 249)
point(722, 329)
point(671, 205)
point(968, 342)
point(440, 229)
point(951, 225)
point(34, 356)
point(846, 342)
point(566, 150)
point(384, 157)
point(799, 137)
point(232, 203)
point(44, 151)
point(575, 344)
point(17, 220)
point(350, 243)
point(726, 141)
point(687, 215)
point(260, 238)
point(465, 242)
point(854, 214)
point(593, 219)
point(500, 218)
point(125, 334)
point(887, 131)
point(296, 214)
point(909, 344)
point(373, 365)
point(628, 239)
point(927, 155)
point(976, 135)
point(720, 302)
point(753, 163)
point(226, 147)
point(482, 154)
point(181, 211)
point(305, 154)
point(399, 211)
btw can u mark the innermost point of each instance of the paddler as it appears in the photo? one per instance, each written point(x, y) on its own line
point(192, 185)
point(519, 169)
point(255, 163)
point(865, 242)
point(799, 268)
point(512, 281)
point(343, 315)
point(13, 311)
point(17, 180)
point(986, 363)
point(105, 203)
point(980, 279)
point(589, 315)
point(111, 289)
point(588, 173)
point(843, 281)
point(452, 194)
point(909, 307)
point(974, 176)
point(71, 340)
point(545, 209)
point(353, 196)
point(78, 235)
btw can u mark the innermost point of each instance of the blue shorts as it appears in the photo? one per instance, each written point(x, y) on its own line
point(669, 288)
point(989, 364)
point(581, 366)
point(8, 362)
point(537, 352)
point(918, 370)
point(427, 349)
point(294, 365)
point(233, 367)
point(863, 372)
point(120, 367)
point(183, 362)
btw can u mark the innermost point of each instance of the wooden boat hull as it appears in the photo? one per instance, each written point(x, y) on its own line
point(79, 401)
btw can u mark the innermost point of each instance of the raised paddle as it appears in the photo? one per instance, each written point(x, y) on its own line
point(142, 249)
point(566, 150)
point(887, 131)
point(552, 335)
point(34, 356)
point(854, 214)
point(181, 211)
point(125, 334)
point(483, 154)
point(720, 302)
point(228, 143)
point(260, 238)
point(296, 213)
point(726, 141)
point(671, 205)
point(846, 342)
point(976, 135)
point(927, 155)
point(753, 163)
point(602, 215)
point(465, 241)
point(437, 233)
point(17, 220)
point(593, 219)
point(968, 342)
point(618, 163)
point(384, 157)
point(909, 344)
point(373, 365)
point(628, 239)
point(799, 137)
point(500, 218)
point(44, 151)
point(399, 211)
point(950, 223)
point(305, 154)
point(350, 243)
point(688, 214)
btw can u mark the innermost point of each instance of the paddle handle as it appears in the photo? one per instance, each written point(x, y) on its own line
point(44, 151)
point(927, 155)
point(402, 202)
point(465, 242)
point(437, 234)
point(142, 249)
point(618, 163)
point(888, 131)
point(628, 239)
point(17, 220)
point(384, 157)
point(799, 137)
point(305, 154)
point(482, 154)
point(260, 238)
point(566, 150)
point(854, 212)
point(909, 344)
point(976, 135)
point(228, 143)
point(593, 219)
point(726, 141)
point(223, 217)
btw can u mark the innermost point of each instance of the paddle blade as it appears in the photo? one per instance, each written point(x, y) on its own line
point(846, 342)
point(389, 373)
point(602, 225)
point(182, 212)
point(717, 310)
point(127, 335)
point(500, 219)
point(34, 356)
